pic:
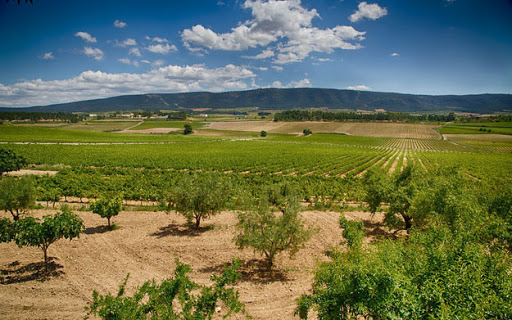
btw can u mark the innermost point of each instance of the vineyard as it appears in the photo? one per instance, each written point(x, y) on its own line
point(329, 172)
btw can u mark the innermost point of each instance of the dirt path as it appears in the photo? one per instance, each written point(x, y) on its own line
point(145, 246)
point(24, 172)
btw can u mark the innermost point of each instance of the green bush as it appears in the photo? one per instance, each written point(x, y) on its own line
point(174, 298)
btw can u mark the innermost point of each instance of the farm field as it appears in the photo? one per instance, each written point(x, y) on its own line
point(90, 125)
point(493, 142)
point(157, 124)
point(142, 169)
point(477, 128)
point(145, 246)
point(365, 129)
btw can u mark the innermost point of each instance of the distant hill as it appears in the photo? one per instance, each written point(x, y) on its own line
point(283, 99)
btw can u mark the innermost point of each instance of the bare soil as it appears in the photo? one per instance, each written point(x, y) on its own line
point(145, 246)
point(24, 172)
point(154, 130)
point(365, 129)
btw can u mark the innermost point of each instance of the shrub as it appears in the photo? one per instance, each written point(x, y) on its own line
point(174, 298)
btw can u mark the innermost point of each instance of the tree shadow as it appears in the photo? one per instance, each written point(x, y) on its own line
point(15, 272)
point(378, 230)
point(98, 229)
point(174, 229)
point(254, 270)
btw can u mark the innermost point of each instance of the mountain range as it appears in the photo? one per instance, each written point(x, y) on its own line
point(285, 99)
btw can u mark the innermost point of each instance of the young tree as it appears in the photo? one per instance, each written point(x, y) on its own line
point(17, 195)
point(199, 197)
point(273, 225)
point(263, 133)
point(31, 231)
point(188, 129)
point(175, 298)
point(306, 132)
point(10, 161)
point(107, 207)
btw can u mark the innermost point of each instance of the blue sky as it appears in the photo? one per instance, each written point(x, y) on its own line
point(58, 51)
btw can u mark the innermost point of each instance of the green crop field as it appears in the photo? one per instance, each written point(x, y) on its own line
point(459, 187)
point(477, 128)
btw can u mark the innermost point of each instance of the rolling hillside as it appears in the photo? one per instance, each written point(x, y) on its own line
point(281, 99)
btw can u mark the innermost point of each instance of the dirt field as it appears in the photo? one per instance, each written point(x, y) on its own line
point(24, 172)
point(154, 130)
point(145, 246)
point(480, 137)
point(365, 129)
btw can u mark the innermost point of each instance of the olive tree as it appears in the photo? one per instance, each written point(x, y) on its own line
point(34, 232)
point(107, 207)
point(199, 197)
point(273, 225)
point(17, 195)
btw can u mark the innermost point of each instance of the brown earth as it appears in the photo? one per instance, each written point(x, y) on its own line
point(24, 172)
point(145, 246)
point(364, 129)
point(153, 130)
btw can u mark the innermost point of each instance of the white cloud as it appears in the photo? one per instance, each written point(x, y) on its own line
point(286, 22)
point(95, 53)
point(47, 56)
point(277, 68)
point(395, 54)
point(158, 63)
point(157, 39)
point(162, 48)
point(97, 84)
point(85, 36)
point(128, 61)
point(126, 43)
point(304, 83)
point(360, 87)
point(119, 24)
point(262, 68)
point(323, 59)
point(145, 61)
point(371, 11)
point(268, 53)
point(135, 52)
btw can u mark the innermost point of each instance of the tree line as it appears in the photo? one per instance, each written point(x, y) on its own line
point(303, 115)
point(40, 116)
